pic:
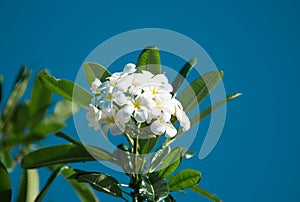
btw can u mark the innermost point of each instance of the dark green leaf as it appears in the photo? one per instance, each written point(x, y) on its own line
point(184, 179)
point(205, 193)
point(146, 145)
point(6, 159)
point(183, 74)
point(83, 191)
point(98, 153)
point(13, 100)
point(199, 89)
point(29, 186)
point(149, 60)
point(39, 102)
point(207, 111)
point(5, 184)
point(66, 153)
point(67, 90)
point(170, 198)
point(93, 71)
point(153, 189)
point(55, 173)
point(99, 181)
point(171, 163)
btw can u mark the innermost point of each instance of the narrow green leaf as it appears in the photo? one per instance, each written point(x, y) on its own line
point(13, 99)
point(184, 179)
point(5, 184)
point(171, 162)
point(93, 71)
point(184, 71)
point(199, 89)
point(19, 119)
point(66, 89)
point(99, 181)
point(66, 153)
point(29, 186)
point(205, 193)
point(39, 102)
point(50, 180)
point(197, 118)
point(153, 189)
point(149, 60)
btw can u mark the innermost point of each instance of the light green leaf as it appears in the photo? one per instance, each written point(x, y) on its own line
point(13, 99)
point(66, 153)
point(5, 184)
point(184, 71)
point(158, 157)
point(205, 193)
point(93, 71)
point(149, 60)
point(194, 120)
point(99, 181)
point(171, 162)
point(29, 186)
point(184, 179)
point(39, 102)
point(19, 120)
point(199, 89)
point(54, 174)
point(153, 189)
point(67, 90)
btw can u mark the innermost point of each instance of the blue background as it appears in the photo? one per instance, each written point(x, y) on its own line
point(256, 43)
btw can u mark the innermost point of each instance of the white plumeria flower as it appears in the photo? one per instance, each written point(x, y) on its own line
point(94, 115)
point(129, 68)
point(138, 106)
point(95, 87)
point(161, 126)
point(109, 122)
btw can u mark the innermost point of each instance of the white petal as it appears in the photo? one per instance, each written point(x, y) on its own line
point(140, 115)
point(121, 99)
point(104, 130)
point(185, 123)
point(115, 130)
point(157, 128)
point(170, 130)
point(129, 68)
point(123, 115)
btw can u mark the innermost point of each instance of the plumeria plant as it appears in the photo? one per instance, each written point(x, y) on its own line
point(140, 104)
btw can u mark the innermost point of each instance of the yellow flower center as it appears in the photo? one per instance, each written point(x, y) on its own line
point(154, 91)
point(111, 120)
point(110, 96)
point(137, 104)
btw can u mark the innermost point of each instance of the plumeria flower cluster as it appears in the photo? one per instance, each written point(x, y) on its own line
point(141, 97)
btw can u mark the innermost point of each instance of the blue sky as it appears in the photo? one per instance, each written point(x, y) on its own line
point(256, 43)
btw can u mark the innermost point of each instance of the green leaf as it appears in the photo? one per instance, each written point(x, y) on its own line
point(153, 189)
point(1, 81)
point(19, 119)
point(55, 173)
point(5, 184)
point(158, 157)
point(101, 182)
point(184, 179)
point(149, 60)
point(183, 74)
point(199, 89)
point(13, 99)
point(205, 193)
point(29, 186)
point(197, 118)
point(66, 153)
point(40, 101)
point(98, 153)
point(171, 162)
point(6, 159)
point(66, 89)
point(170, 198)
point(93, 71)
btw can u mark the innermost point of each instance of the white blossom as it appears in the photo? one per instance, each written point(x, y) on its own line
point(93, 115)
